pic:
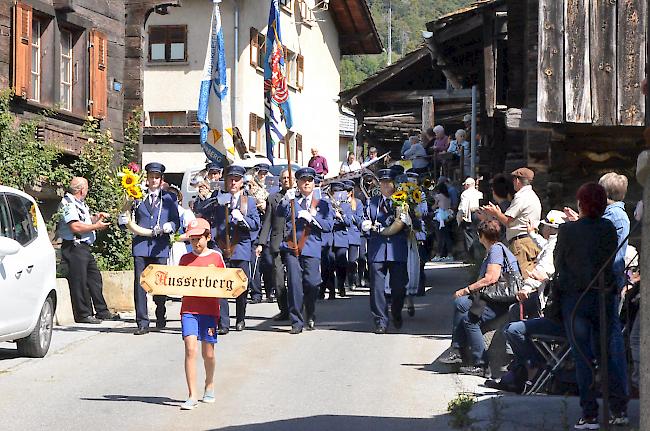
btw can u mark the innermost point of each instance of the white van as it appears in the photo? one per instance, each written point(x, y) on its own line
point(27, 274)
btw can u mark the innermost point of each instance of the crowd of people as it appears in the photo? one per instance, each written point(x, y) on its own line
point(323, 238)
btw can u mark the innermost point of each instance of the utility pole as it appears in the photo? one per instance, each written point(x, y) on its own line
point(390, 32)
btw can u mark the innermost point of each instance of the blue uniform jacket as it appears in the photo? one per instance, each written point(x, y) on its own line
point(354, 232)
point(147, 217)
point(314, 243)
point(385, 248)
point(242, 234)
point(342, 226)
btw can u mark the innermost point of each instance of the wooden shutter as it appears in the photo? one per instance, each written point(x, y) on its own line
point(253, 132)
point(299, 148)
point(98, 74)
point(22, 67)
point(300, 63)
point(255, 48)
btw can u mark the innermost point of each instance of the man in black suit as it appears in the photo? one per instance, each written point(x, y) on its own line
point(271, 236)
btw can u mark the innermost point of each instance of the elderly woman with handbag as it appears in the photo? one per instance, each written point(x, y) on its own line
point(484, 300)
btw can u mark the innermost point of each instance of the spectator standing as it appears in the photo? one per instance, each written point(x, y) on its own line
point(372, 155)
point(442, 218)
point(77, 229)
point(469, 203)
point(350, 165)
point(583, 248)
point(318, 163)
point(418, 157)
point(525, 208)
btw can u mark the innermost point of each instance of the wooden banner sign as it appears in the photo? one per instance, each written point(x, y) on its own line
point(194, 281)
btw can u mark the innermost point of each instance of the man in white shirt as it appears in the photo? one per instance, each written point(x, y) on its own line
point(525, 208)
point(469, 202)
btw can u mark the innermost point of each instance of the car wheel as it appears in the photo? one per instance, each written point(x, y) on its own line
point(37, 343)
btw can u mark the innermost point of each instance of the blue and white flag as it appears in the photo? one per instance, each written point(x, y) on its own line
point(214, 98)
point(277, 110)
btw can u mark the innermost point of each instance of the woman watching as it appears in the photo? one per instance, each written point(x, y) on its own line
point(583, 248)
point(471, 311)
point(350, 164)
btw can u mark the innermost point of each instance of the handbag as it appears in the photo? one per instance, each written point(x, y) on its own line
point(552, 309)
point(506, 288)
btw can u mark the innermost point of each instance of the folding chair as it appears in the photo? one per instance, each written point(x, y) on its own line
point(555, 351)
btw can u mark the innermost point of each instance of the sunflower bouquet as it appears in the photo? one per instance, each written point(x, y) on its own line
point(131, 179)
point(407, 196)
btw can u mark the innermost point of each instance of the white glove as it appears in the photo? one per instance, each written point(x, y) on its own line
point(377, 227)
point(168, 227)
point(405, 218)
point(156, 231)
point(237, 214)
point(224, 198)
point(366, 225)
point(290, 194)
point(122, 219)
point(305, 214)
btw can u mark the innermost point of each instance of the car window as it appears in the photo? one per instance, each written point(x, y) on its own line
point(5, 218)
point(23, 217)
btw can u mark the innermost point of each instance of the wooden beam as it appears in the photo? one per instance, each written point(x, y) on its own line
point(456, 29)
point(577, 90)
point(550, 73)
point(489, 67)
point(417, 95)
point(603, 65)
point(428, 112)
point(632, 18)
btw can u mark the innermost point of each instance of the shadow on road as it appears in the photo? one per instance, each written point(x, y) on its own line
point(162, 401)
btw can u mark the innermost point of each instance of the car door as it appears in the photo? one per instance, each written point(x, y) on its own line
point(20, 286)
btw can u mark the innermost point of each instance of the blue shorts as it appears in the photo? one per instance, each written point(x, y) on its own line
point(202, 326)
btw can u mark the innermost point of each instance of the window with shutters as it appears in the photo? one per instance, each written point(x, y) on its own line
point(36, 61)
point(258, 49)
point(167, 43)
point(299, 153)
point(285, 5)
point(256, 134)
point(66, 70)
point(22, 50)
point(98, 74)
point(306, 14)
point(295, 69)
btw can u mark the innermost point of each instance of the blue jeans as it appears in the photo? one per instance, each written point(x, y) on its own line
point(586, 335)
point(466, 331)
point(519, 333)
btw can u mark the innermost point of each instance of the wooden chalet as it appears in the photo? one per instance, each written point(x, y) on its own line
point(559, 82)
point(389, 105)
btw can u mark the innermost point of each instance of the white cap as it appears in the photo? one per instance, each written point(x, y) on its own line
point(469, 181)
point(554, 218)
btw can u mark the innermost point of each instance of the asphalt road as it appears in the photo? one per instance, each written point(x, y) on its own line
point(339, 377)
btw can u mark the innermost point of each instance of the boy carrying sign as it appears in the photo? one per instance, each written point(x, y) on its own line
point(199, 316)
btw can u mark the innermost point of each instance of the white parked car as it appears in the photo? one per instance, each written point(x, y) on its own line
point(27, 274)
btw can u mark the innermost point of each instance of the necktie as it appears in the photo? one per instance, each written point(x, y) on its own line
point(154, 200)
point(303, 204)
point(384, 206)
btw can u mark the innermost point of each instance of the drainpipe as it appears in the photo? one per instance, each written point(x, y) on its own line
point(473, 136)
point(235, 67)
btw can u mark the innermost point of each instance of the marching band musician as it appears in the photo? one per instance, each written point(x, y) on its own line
point(354, 233)
point(262, 259)
point(387, 255)
point(343, 220)
point(207, 187)
point(327, 259)
point(235, 223)
point(157, 211)
point(313, 217)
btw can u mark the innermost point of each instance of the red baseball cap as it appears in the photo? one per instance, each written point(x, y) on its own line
point(197, 227)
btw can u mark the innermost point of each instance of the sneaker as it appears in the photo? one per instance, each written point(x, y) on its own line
point(208, 396)
point(587, 424)
point(451, 359)
point(476, 370)
point(189, 404)
point(619, 419)
point(436, 259)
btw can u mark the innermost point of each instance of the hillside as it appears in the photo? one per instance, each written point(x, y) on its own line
point(409, 19)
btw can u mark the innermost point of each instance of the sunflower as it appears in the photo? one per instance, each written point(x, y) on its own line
point(134, 192)
point(417, 196)
point(411, 185)
point(399, 196)
point(129, 180)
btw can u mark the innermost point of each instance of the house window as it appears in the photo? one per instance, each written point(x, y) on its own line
point(36, 60)
point(258, 48)
point(257, 134)
point(306, 14)
point(168, 119)
point(285, 5)
point(295, 144)
point(66, 70)
point(295, 69)
point(168, 43)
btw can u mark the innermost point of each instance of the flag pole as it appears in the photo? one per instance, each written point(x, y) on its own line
point(294, 236)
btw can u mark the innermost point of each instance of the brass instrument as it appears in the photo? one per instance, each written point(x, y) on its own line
point(131, 225)
point(256, 189)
